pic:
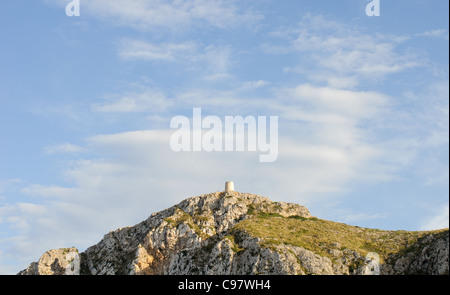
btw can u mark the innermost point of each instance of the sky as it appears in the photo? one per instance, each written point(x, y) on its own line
point(86, 104)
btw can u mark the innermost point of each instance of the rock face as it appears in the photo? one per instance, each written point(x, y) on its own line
point(64, 261)
point(201, 235)
point(428, 256)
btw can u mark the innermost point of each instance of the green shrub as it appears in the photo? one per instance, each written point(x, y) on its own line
point(268, 215)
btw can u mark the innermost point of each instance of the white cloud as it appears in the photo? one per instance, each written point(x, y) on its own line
point(63, 148)
point(136, 163)
point(212, 61)
point(174, 15)
point(304, 102)
point(149, 100)
point(349, 82)
point(217, 77)
point(6, 183)
point(207, 98)
point(20, 215)
point(217, 58)
point(420, 123)
point(340, 54)
point(336, 102)
point(254, 84)
point(439, 220)
point(31, 209)
point(141, 50)
point(45, 191)
point(435, 33)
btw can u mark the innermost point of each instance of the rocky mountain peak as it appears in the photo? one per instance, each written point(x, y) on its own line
point(241, 233)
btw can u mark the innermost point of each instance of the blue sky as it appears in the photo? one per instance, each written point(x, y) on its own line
point(86, 103)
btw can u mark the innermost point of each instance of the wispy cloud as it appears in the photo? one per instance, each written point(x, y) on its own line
point(254, 84)
point(141, 50)
point(149, 100)
point(340, 54)
point(420, 123)
point(435, 33)
point(180, 15)
point(334, 102)
point(63, 148)
point(6, 183)
point(212, 61)
point(439, 220)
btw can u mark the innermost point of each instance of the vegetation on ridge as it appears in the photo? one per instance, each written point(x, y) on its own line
point(320, 236)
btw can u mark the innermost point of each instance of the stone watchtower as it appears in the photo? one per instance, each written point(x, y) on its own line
point(229, 186)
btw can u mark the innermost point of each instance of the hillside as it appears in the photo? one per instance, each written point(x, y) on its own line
point(239, 233)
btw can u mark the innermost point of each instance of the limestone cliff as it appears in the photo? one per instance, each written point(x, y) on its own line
point(239, 233)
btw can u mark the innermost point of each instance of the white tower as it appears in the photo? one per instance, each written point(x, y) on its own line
point(229, 186)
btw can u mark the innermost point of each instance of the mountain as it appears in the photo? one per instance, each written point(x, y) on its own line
point(241, 234)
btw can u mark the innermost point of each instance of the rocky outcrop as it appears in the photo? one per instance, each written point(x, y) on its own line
point(201, 236)
point(193, 227)
point(64, 261)
point(428, 256)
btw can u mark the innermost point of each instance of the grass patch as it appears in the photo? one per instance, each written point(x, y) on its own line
point(250, 210)
point(201, 217)
point(297, 217)
point(234, 246)
point(265, 215)
point(319, 235)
